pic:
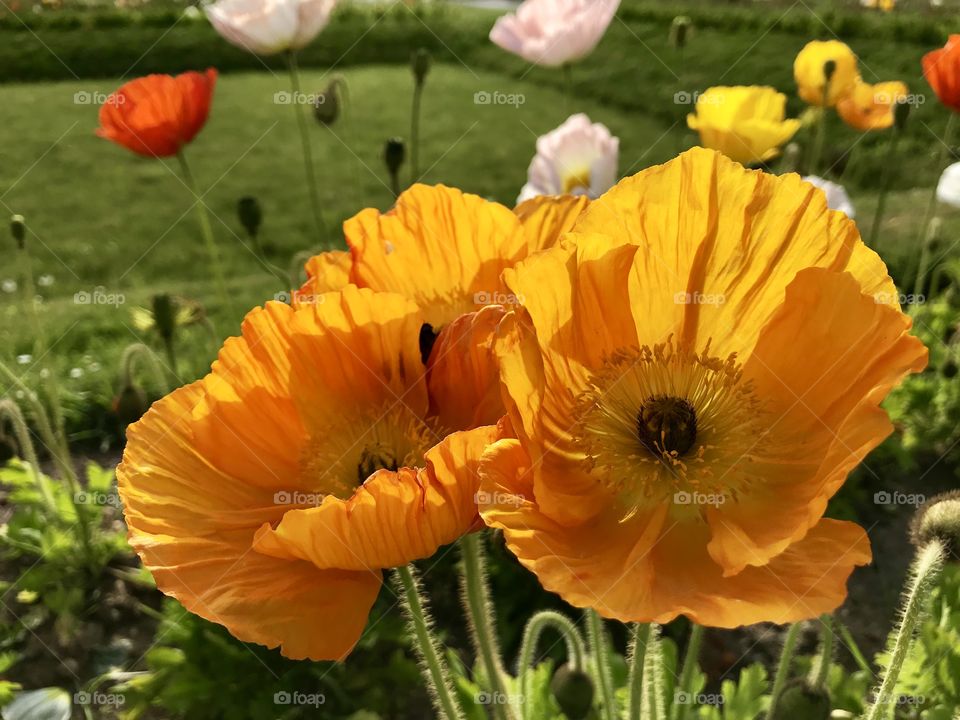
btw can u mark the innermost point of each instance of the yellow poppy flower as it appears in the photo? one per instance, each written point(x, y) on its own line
point(445, 250)
point(270, 495)
point(747, 124)
point(693, 373)
point(808, 71)
point(871, 107)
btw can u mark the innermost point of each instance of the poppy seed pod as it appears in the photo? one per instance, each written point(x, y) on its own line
point(939, 519)
point(680, 31)
point(394, 153)
point(130, 404)
point(573, 691)
point(802, 700)
point(420, 63)
point(18, 228)
point(250, 214)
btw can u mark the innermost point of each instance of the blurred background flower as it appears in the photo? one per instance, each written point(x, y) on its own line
point(810, 71)
point(578, 158)
point(266, 27)
point(745, 123)
point(837, 197)
point(871, 107)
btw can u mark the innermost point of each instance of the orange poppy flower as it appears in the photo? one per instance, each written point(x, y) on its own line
point(871, 107)
point(445, 250)
point(157, 115)
point(941, 68)
point(694, 371)
point(270, 495)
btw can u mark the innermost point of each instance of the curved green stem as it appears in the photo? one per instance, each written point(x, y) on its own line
point(206, 231)
point(923, 577)
point(482, 625)
point(783, 667)
point(600, 653)
point(138, 350)
point(576, 648)
point(691, 663)
point(637, 658)
point(436, 672)
point(307, 147)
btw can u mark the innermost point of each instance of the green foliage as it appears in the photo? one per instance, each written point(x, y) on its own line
point(926, 406)
point(60, 571)
point(743, 699)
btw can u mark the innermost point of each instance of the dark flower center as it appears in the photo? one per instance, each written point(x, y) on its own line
point(373, 459)
point(667, 425)
point(428, 337)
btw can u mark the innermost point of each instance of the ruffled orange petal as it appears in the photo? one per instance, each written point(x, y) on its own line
point(650, 568)
point(327, 272)
point(393, 518)
point(576, 312)
point(718, 245)
point(462, 375)
point(440, 247)
point(546, 218)
point(823, 364)
point(193, 527)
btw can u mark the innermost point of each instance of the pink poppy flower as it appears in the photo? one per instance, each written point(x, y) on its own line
point(266, 27)
point(554, 32)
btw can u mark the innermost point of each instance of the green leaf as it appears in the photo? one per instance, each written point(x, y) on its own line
point(45, 704)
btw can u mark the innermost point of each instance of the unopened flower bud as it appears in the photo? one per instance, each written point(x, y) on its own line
point(164, 315)
point(394, 154)
point(130, 404)
point(939, 519)
point(573, 690)
point(901, 112)
point(250, 214)
point(18, 228)
point(420, 63)
point(326, 108)
point(800, 699)
point(680, 31)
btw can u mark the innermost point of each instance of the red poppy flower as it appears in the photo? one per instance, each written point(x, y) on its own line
point(941, 68)
point(157, 115)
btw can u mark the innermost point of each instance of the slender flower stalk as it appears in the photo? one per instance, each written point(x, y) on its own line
point(783, 667)
point(420, 64)
point(11, 411)
point(576, 649)
point(821, 668)
point(476, 600)
point(600, 655)
point(654, 702)
point(829, 68)
point(568, 86)
point(925, 572)
point(900, 112)
point(938, 166)
point(139, 351)
point(930, 239)
point(436, 673)
point(206, 231)
point(637, 658)
point(691, 663)
point(305, 142)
